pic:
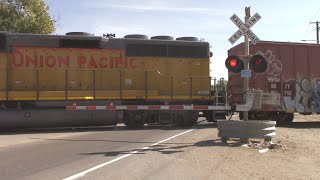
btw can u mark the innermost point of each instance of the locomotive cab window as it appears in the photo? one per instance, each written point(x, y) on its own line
point(188, 51)
point(166, 51)
point(79, 43)
point(146, 50)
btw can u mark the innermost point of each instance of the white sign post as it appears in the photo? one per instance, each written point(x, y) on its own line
point(244, 30)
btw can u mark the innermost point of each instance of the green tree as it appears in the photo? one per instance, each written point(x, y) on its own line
point(221, 85)
point(26, 16)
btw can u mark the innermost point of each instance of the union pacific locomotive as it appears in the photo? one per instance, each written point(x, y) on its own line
point(42, 74)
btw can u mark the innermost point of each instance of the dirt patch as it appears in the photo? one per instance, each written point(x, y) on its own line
point(293, 154)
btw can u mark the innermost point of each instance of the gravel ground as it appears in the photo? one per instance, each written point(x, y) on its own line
point(201, 155)
point(297, 155)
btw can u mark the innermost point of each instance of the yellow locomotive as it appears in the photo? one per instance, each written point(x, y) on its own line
point(39, 74)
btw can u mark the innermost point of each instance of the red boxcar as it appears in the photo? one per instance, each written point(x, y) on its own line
point(293, 71)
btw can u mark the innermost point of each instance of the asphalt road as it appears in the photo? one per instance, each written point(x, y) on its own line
point(158, 153)
point(60, 155)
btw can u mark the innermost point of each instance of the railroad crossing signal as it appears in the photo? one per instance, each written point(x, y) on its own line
point(234, 64)
point(257, 63)
point(244, 28)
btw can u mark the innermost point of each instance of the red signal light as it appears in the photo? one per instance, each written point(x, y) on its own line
point(233, 62)
point(258, 63)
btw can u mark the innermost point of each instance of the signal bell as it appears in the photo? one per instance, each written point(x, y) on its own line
point(257, 63)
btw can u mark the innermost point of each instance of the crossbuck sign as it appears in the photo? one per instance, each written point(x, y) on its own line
point(244, 28)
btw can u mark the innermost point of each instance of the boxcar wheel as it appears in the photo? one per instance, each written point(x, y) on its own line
point(289, 118)
point(283, 118)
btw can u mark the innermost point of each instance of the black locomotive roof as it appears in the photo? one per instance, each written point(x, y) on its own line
point(8, 40)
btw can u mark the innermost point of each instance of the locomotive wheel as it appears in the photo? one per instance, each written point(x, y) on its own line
point(209, 116)
point(135, 119)
point(190, 118)
point(179, 119)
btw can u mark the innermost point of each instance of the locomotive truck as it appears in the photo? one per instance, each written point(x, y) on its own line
point(292, 71)
point(40, 75)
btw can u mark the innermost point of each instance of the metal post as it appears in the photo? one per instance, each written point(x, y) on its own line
point(317, 30)
point(171, 88)
point(210, 79)
point(190, 87)
point(7, 83)
point(246, 62)
point(94, 84)
point(146, 84)
point(66, 88)
point(37, 87)
point(214, 85)
point(215, 91)
point(120, 84)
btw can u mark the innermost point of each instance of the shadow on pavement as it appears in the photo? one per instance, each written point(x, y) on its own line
point(102, 140)
point(302, 125)
point(124, 129)
point(163, 149)
point(168, 148)
point(217, 142)
point(120, 127)
point(55, 130)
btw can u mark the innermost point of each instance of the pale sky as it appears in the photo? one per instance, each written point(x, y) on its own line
point(282, 20)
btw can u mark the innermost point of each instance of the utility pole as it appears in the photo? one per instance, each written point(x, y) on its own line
point(317, 29)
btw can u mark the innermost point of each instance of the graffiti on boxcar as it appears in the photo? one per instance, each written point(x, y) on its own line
point(306, 94)
point(292, 103)
point(298, 95)
point(306, 98)
point(274, 68)
point(274, 65)
point(315, 95)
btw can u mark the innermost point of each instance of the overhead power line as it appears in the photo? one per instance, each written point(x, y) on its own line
point(315, 14)
point(317, 29)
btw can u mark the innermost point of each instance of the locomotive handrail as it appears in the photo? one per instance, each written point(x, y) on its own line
point(110, 70)
point(185, 86)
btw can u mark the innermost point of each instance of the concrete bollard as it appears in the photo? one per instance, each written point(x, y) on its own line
point(246, 129)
